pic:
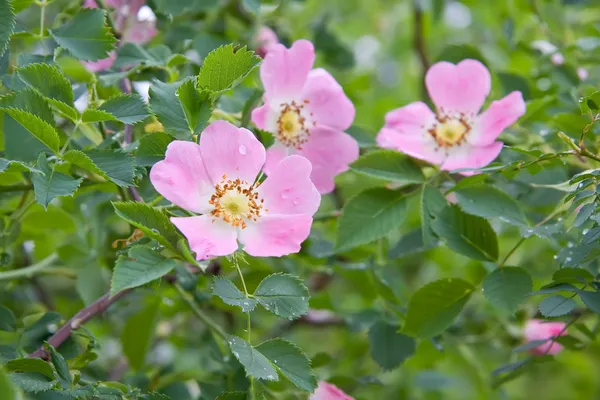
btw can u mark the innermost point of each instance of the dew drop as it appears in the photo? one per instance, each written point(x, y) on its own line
point(242, 149)
point(555, 257)
point(585, 231)
point(570, 244)
point(568, 259)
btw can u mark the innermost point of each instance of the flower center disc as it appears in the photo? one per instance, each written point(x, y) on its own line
point(450, 131)
point(292, 129)
point(236, 202)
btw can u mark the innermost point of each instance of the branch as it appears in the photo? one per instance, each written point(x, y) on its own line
point(28, 272)
point(419, 40)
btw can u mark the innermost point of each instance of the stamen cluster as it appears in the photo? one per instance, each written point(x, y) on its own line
point(292, 127)
point(236, 202)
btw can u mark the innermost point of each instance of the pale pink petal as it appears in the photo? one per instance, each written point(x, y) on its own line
point(284, 71)
point(207, 238)
point(539, 330)
point(275, 154)
point(458, 88)
point(181, 177)
point(582, 73)
point(101, 65)
point(260, 115)
point(232, 151)
point(327, 391)
point(326, 101)
point(471, 157)
point(330, 152)
point(140, 32)
point(266, 39)
point(500, 115)
point(413, 118)
point(289, 190)
point(275, 235)
point(90, 4)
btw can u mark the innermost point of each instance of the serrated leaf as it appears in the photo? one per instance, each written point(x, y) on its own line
point(557, 305)
point(117, 165)
point(127, 108)
point(86, 36)
point(31, 101)
point(132, 54)
point(369, 216)
point(7, 389)
point(284, 295)
point(48, 81)
point(290, 361)
point(466, 234)
point(168, 109)
point(507, 287)
point(7, 24)
point(140, 267)
point(230, 294)
point(197, 106)
point(30, 365)
point(79, 158)
point(433, 308)
point(572, 275)
point(590, 299)
point(8, 322)
point(488, 202)
point(62, 369)
point(388, 347)
point(154, 223)
point(389, 165)
point(254, 362)
point(152, 149)
point(32, 382)
point(90, 116)
point(26, 136)
point(138, 333)
point(432, 205)
point(50, 184)
point(225, 67)
point(584, 214)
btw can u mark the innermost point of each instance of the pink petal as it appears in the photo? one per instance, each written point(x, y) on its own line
point(140, 32)
point(284, 71)
point(500, 115)
point(460, 88)
point(266, 39)
point(327, 391)
point(101, 65)
point(410, 119)
point(329, 151)
point(232, 151)
point(327, 102)
point(275, 154)
point(181, 177)
point(207, 238)
point(276, 235)
point(540, 330)
point(260, 115)
point(471, 157)
point(289, 190)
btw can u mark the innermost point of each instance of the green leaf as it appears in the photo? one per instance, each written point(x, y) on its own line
point(584, 214)
point(50, 184)
point(369, 216)
point(388, 347)
point(26, 136)
point(489, 202)
point(30, 365)
point(572, 275)
point(467, 234)
point(225, 67)
point(8, 322)
point(232, 396)
point(433, 308)
point(252, 5)
point(507, 287)
point(86, 36)
point(62, 368)
point(197, 106)
point(127, 108)
point(254, 362)
point(290, 361)
point(79, 158)
point(31, 101)
point(152, 149)
point(7, 390)
point(7, 24)
point(91, 115)
point(432, 205)
point(48, 81)
point(590, 104)
point(33, 382)
point(590, 299)
point(154, 223)
point(389, 165)
point(168, 109)
point(132, 54)
point(138, 333)
point(142, 266)
point(117, 165)
point(284, 295)
point(230, 294)
point(557, 305)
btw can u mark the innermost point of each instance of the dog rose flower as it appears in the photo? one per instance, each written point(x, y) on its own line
point(536, 329)
point(327, 391)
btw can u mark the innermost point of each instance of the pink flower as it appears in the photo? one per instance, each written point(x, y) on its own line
point(456, 135)
point(307, 112)
point(327, 391)
point(536, 329)
point(218, 180)
point(582, 73)
point(557, 59)
point(265, 39)
point(101, 65)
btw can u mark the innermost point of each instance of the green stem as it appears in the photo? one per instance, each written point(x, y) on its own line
point(199, 313)
point(248, 325)
point(42, 18)
point(30, 271)
point(510, 253)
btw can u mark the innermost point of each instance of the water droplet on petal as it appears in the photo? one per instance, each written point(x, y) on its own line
point(243, 149)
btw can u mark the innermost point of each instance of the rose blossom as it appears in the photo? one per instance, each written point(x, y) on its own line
point(536, 329)
point(456, 135)
point(307, 112)
point(327, 391)
point(265, 39)
point(217, 179)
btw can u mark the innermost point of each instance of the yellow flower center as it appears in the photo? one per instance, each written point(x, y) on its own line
point(236, 202)
point(292, 126)
point(450, 131)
